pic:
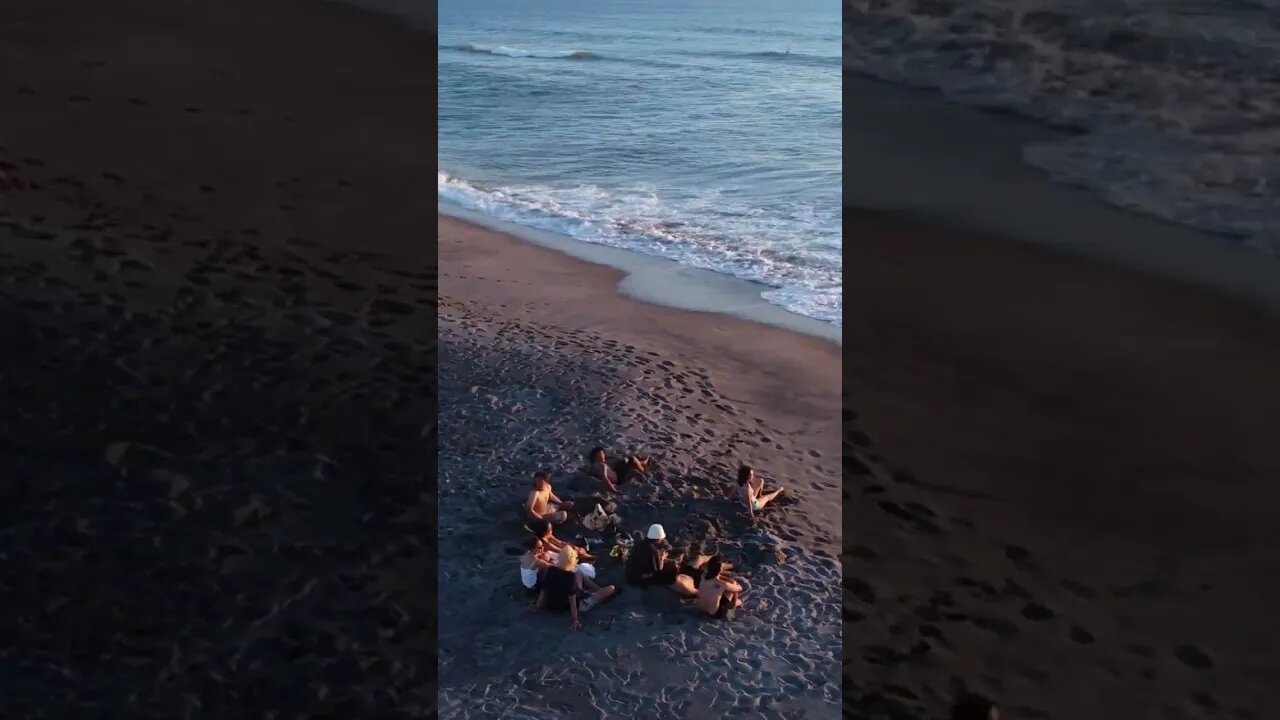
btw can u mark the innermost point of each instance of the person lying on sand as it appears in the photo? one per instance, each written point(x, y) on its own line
point(630, 469)
point(750, 490)
point(544, 531)
point(563, 588)
point(717, 593)
point(543, 503)
point(974, 707)
point(598, 468)
point(650, 564)
point(540, 556)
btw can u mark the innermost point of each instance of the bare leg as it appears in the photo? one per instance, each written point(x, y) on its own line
point(767, 498)
point(597, 597)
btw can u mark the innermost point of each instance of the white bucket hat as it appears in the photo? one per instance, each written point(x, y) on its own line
point(656, 532)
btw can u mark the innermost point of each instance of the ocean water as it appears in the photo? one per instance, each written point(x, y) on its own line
point(704, 131)
point(1174, 104)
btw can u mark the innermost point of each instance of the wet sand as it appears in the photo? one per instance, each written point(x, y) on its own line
point(217, 314)
point(1065, 496)
point(541, 359)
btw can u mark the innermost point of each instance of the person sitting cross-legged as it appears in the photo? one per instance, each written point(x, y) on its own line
point(542, 503)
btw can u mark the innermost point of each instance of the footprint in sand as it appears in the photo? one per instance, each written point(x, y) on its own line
point(1193, 657)
point(1037, 612)
point(1081, 636)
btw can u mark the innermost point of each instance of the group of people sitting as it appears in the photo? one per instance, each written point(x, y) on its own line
point(692, 574)
point(562, 575)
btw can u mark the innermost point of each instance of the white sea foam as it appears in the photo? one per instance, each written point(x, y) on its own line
point(784, 249)
point(1177, 101)
point(512, 52)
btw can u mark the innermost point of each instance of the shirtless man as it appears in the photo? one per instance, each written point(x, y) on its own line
point(717, 594)
point(543, 503)
point(598, 468)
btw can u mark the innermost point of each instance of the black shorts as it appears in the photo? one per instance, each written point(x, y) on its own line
point(693, 572)
point(665, 576)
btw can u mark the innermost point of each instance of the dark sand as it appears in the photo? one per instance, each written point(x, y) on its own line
point(540, 359)
point(217, 314)
point(1071, 500)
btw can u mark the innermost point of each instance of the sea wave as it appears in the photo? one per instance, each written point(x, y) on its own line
point(767, 32)
point(776, 249)
point(774, 56)
point(505, 51)
point(1173, 103)
point(578, 54)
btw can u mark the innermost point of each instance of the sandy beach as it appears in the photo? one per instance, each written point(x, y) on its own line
point(217, 312)
point(1064, 470)
point(541, 359)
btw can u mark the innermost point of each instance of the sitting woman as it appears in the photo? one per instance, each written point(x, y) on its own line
point(540, 557)
point(650, 564)
point(543, 530)
point(563, 588)
point(717, 593)
point(750, 490)
point(534, 563)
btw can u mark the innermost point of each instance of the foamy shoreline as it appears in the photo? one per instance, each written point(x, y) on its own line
point(664, 282)
point(1173, 102)
point(973, 176)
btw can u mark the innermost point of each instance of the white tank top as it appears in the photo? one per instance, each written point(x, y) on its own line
point(529, 577)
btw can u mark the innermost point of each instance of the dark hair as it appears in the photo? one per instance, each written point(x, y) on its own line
point(694, 549)
point(541, 528)
point(972, 706)
point(744, 474)
point(712, 568)
point(541, 475)
point(535, 542)
point(594, 452)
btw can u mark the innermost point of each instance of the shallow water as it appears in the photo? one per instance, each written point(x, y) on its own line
point(707, 132)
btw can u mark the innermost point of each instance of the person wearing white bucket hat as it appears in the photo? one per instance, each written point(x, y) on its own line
point(649, 564)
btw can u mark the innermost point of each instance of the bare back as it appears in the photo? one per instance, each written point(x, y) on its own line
point(709, 594)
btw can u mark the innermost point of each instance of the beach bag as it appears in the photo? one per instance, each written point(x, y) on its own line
point(599, 519)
